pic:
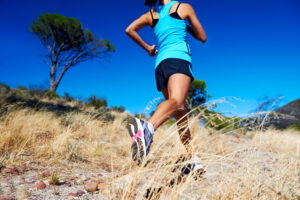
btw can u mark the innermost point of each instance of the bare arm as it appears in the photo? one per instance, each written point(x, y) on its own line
point(196, 30)
point(135, 26)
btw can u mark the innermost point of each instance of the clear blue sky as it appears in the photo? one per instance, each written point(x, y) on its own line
point(252, 50)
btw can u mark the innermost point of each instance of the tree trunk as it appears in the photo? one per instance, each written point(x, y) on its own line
point(53, 85)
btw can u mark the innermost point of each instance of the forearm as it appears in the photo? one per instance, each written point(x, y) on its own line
point(191, 31)
point(135, 37)
point(202, 37)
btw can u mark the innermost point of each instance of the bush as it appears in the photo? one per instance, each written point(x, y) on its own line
point(37, 92)
point(296, 126)
point(220, 122)
point(96, 102)
point(22, 91)
point(140, 116)
point(68, 97)
point(118, 109)
point(4, 88)
point(52, 95)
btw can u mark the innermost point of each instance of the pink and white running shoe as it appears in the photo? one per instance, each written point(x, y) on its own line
point(141, 137)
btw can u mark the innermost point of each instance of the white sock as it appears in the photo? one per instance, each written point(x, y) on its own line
point(150, 127)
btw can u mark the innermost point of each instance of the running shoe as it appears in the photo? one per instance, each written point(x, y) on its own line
point(141, 137)
point(195, 166)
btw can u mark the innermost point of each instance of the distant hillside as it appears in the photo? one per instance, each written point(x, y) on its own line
point(292, 108)
point(284, 117)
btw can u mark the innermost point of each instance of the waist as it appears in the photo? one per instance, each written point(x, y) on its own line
point(173, 46)
point(184, 55)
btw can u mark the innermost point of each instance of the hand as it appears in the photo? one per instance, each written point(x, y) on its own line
point(152, 51)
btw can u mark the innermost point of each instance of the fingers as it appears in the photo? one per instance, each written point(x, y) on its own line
point(152, 51)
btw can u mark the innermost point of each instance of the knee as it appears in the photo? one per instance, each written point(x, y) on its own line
point(176, 104)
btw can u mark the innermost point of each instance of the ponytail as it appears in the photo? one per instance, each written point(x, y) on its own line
point(150, 3)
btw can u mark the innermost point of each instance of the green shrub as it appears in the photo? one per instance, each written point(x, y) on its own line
point(22, 91)
point(219, 122)
point(96, 102)
point(295, 126)
point(4, 88)
point(118, 108)
point(52, 95)
point(37, 92)
point(68, 97)
point(140, 116)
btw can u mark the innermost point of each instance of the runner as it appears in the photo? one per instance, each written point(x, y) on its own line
point(173, 70)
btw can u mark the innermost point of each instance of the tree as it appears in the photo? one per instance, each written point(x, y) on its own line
point(197, 94)
point(67, 44)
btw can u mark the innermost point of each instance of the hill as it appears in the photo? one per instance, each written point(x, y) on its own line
point(292, 109)
point(287, 116)
point(54, 149)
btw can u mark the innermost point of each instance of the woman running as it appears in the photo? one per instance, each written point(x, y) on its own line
point(173, 68)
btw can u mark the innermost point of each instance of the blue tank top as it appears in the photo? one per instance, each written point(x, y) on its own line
point(171, 36)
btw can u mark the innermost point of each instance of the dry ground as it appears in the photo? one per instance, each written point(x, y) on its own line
point(255, 165)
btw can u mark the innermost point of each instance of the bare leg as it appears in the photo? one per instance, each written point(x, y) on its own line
point(175, 94)
point(182, 124)
point(183, 130)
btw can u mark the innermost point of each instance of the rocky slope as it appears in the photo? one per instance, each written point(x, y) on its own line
point(283, 117)
point(292, 109)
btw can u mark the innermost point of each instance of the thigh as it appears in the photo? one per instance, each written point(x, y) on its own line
point(165, 93)
point(178, 87)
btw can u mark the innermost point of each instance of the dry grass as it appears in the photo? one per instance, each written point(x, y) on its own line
point(257, 165)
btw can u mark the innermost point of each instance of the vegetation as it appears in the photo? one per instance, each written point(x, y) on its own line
point(68, 97)
point(79, 142)
point(67, 43)
point(117, 108)
point(292, 108)
point(96, 102)
point(54, 178)
point(197, 94)
point(43, 99)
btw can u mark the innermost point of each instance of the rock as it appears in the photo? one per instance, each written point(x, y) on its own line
point(15, 171)
point(90, 186)
point(80, 193)
point(45, 174)
point(9, 170)
point(101, 186)
point(22, 180)
point(6, 170)
point(6, 197)
point(23, 168)
point(68, 184)
point(40, 185)
point(72, 194)
point(9, 166)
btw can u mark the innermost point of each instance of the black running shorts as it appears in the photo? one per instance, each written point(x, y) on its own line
point(169, 67)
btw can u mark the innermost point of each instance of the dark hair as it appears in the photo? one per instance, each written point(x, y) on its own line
point(150, 3)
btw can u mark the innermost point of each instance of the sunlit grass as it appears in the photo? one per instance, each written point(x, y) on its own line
point(261, 164)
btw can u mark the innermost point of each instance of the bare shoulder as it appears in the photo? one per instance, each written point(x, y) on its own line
point(185, 10)
point(146, 17)
point(186, 7)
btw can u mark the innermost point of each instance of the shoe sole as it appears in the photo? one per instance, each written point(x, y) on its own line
point(137, 148)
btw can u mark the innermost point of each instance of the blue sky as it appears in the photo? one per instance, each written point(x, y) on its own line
point(252, 50)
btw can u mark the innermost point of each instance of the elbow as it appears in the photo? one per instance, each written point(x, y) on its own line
point(202, 38)
point(128, 31)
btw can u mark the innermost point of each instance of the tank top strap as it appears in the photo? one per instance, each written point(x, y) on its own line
point(166, 9)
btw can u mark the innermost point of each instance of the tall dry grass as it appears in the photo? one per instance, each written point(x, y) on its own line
point(255, 165)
